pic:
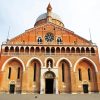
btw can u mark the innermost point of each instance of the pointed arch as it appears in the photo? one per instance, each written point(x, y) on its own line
point(49, 58)
point(63, 58)
point(2, 69)
point(95, 67)
point(28, 62)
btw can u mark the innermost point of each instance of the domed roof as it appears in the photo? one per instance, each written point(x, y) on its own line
point(44, 16)
point(49, 17)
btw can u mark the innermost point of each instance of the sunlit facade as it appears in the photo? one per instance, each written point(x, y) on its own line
point(49, 59)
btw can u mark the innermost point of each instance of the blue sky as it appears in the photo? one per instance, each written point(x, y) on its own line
point(77, 15)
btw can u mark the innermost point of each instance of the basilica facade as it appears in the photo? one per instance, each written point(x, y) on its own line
point(49, 59)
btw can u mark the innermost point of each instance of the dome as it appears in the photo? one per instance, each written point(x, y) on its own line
point(49, 17)
point(44, 16)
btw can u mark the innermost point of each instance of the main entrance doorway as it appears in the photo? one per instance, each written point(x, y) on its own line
point(49, 86)
point(12, 88)
point(49, 82)
point(85, 88)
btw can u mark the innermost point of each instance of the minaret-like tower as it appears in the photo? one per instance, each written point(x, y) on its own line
point(49, 12)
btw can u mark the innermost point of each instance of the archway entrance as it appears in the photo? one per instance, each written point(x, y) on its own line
point(12, 88)
point(49, 86)
point(49, 82)
point(85, 88)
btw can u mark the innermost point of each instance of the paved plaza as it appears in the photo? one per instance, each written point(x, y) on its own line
point(50, 97)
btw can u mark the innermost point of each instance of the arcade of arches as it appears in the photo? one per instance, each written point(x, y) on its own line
point(55, 77)
point(49, 59)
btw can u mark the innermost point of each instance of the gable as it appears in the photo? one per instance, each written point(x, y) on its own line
point(30, 36)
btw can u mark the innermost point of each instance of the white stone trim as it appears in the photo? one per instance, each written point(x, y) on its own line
point(63, 58)
point(33, 59)
point(42, 80)
point(2, 69)
point(86, 59)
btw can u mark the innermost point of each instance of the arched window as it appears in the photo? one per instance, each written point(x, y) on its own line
point(77, 50)
point(80, 74)
point(32, 49)
point(63, 72)
point(18, 74)
point(39, 40)
point(34, 76)
point(22, 49)
point(6, 49)
point(57, 50)
point(17, 49)
point(52, 50)
point(87, 50)
point(37, 50)
point(11, 49)
point(72, 50)
point(67, 50)
point(48, 50)
point(9, 73)
point(92, 50)
point(42, 49)
point(59, 41)
point(82, 50)
point(27, 50)
point(89, 74)
point(62, 50)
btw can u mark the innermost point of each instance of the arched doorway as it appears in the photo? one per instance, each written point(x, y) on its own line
point(49, 82)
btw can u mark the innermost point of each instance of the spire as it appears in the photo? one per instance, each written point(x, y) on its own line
point(90, 36)
point(49, 11)
point(49, 8)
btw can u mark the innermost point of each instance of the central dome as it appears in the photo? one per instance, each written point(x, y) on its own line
point(49, 17)
point(44, 16)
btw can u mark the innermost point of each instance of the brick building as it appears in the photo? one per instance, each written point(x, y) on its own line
point(49, 58)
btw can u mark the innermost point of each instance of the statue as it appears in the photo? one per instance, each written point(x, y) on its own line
point(49, 65)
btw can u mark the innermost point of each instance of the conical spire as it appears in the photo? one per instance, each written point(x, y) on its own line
point(49, 8)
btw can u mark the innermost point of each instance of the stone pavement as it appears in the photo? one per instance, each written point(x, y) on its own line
point(95, 96)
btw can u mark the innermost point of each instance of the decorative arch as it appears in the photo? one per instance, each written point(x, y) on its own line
point(63, 58)
point(86, 59)
point(49, 58)
point(2, 69)
point(46, 61)
point(33, 59)
point(49, 72)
